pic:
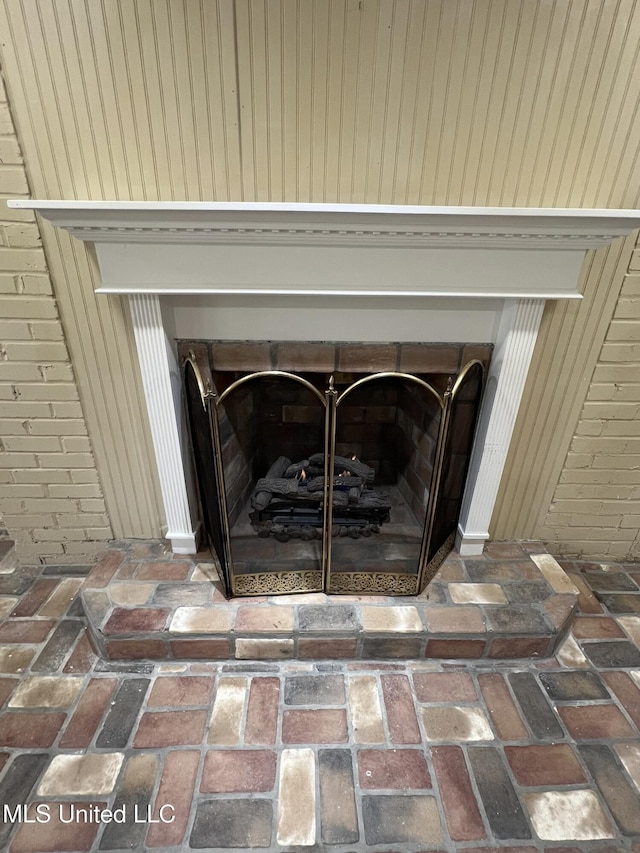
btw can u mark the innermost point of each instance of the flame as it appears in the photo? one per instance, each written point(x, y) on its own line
point(303, 475)
point(354, 458)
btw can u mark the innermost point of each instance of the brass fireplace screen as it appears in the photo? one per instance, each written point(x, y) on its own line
point(311, 482)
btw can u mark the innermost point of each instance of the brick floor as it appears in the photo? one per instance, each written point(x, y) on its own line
point(388, 755)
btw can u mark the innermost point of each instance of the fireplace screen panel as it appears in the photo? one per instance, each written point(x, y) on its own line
point(456, 453)
point(333, 483)
point(389, 424)
point(269, 425)
point(201, 419)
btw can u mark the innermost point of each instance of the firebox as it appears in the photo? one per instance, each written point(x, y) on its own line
point(347, 480)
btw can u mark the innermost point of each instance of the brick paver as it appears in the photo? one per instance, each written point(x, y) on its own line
point(391, 755)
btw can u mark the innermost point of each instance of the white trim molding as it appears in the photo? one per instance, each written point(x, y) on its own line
point(337, 249)
point(512, 355)
point(457, 258)
point(153, 354)
point(287, 223)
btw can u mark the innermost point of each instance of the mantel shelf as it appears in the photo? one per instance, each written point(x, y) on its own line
point(336, 249)
point(335, 224)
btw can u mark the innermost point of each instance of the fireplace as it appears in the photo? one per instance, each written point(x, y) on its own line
point(346, 481)
point(314, 272)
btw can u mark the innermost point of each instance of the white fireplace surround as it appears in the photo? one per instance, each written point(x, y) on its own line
point(389, 273)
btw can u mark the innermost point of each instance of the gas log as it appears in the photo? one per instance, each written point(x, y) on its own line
point(288, 502)
point(342, 464)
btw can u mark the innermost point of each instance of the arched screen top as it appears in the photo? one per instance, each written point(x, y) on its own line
point(271, 374)
point(391, 375)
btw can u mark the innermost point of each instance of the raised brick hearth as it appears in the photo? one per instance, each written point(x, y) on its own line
point(142, 602)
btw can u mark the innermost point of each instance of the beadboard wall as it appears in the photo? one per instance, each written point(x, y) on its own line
point(472, 102)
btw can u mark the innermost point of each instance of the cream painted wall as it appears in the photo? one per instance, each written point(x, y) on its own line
point(569, 342)
point(51, 500)
point(595, 509)
point(485, 102)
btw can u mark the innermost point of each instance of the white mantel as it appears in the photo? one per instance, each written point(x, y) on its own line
point(421, 273)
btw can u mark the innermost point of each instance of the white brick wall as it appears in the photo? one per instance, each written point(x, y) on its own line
point(595, 513)
point(50, 497)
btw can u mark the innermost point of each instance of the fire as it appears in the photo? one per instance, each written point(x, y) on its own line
point(354, 458)
point(303, 475)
